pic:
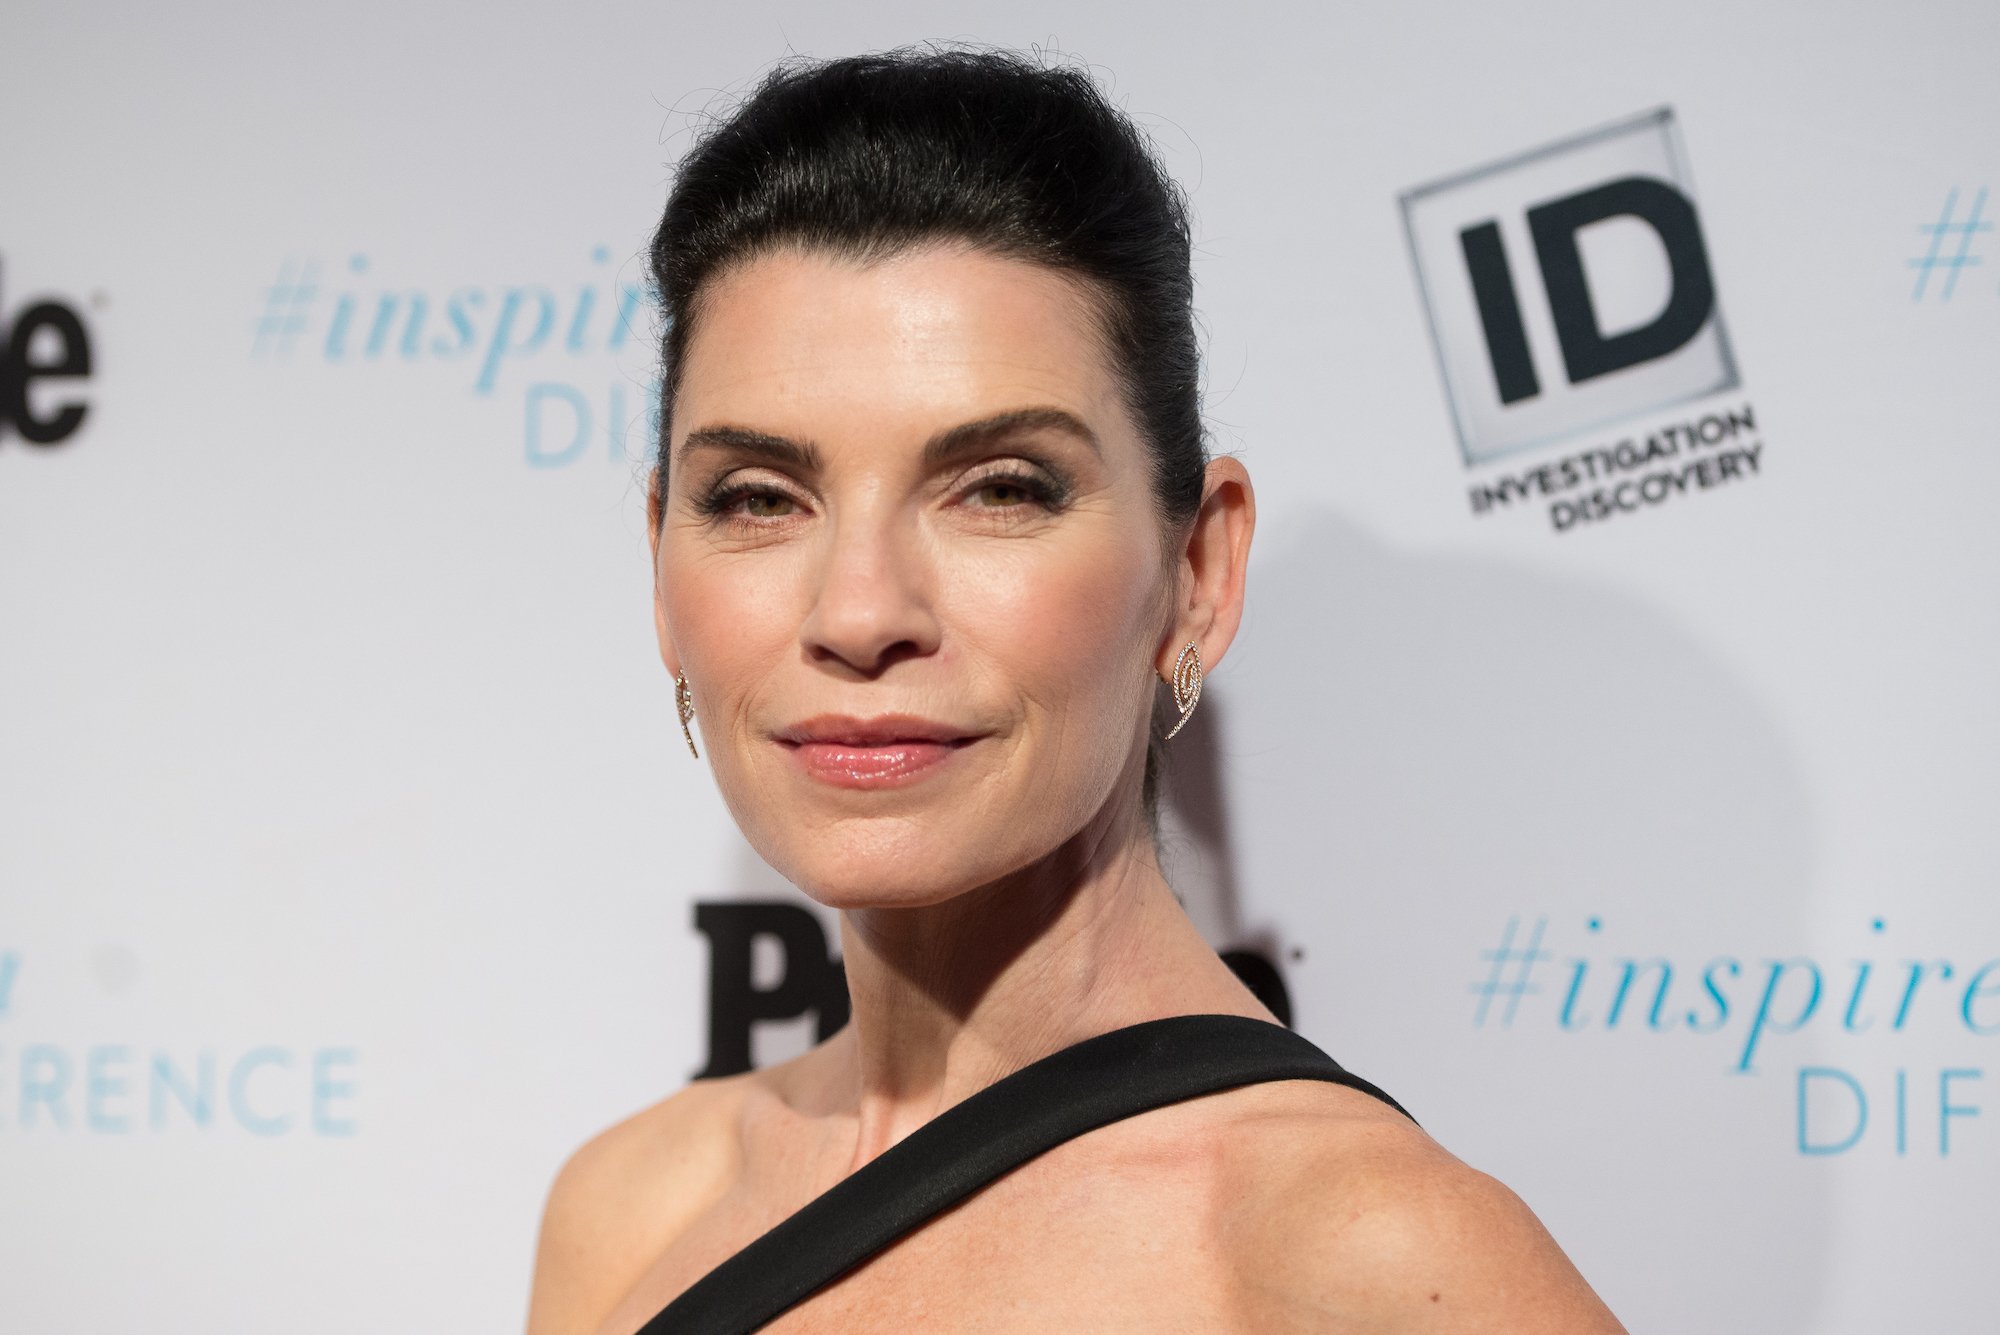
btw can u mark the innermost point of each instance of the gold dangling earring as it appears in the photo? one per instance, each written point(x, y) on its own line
point(1186, 685)
point(684, 703)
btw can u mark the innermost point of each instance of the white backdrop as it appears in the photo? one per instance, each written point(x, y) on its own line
point(348, 847)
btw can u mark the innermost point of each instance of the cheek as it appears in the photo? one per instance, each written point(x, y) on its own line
point(734, 621)
point(1070, 628)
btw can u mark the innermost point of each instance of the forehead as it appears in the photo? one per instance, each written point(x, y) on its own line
point(807, 342)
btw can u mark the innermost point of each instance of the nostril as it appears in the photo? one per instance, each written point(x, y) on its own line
point(871, 662)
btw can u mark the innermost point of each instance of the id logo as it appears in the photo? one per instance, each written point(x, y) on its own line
point(1569, 288)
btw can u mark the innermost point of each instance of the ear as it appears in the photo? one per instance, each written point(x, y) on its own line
point(668, 657)
point(1213, 564)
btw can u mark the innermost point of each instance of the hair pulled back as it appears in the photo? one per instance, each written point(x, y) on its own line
point(871, 155)
point(868, 156)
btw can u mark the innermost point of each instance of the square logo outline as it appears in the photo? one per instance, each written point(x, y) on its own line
point(1660, 117)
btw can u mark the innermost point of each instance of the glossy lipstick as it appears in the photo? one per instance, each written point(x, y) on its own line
point(886, 751)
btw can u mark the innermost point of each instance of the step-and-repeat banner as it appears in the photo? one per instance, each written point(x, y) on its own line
point(1607, 766)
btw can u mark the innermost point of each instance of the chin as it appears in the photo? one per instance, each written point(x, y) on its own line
point(906, 862)
point(844, 895)
point(913, 859)
point(912, 845)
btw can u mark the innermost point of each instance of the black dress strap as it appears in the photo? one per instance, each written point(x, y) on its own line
point(1088, 1085)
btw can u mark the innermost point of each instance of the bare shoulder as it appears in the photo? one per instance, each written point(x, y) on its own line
point(624, 1195)
point(1356, 1217)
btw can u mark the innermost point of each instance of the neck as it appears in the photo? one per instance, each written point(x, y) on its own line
point(951, 997)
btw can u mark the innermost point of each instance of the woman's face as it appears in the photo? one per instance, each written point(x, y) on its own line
point(910, 563)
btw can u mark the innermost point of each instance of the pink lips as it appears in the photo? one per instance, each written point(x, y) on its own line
point(881, 752)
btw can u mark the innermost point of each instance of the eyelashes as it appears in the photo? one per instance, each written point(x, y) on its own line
point(722, 499)
point(1003, 490)
point(1027, 487)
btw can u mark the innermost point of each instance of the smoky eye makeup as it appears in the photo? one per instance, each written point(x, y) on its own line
point(749, 496)
point(1012, 486)
point(1012, 482)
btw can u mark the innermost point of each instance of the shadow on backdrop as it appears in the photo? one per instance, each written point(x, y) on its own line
point(1402, 752)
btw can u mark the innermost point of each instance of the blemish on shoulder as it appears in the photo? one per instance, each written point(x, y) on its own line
point(1434, 1297)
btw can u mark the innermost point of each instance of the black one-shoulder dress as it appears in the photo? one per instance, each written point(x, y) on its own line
point(1087, 1085)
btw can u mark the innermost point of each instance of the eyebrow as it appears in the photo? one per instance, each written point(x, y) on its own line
point(963, 439)
point(940, 449)
point(802, 455)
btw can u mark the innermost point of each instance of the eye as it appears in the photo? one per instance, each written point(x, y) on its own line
point(766, 504)
point(1015, 489)
point(748, 501)
point(1003, 492)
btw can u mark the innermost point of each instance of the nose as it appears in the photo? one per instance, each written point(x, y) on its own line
point(873, 604)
